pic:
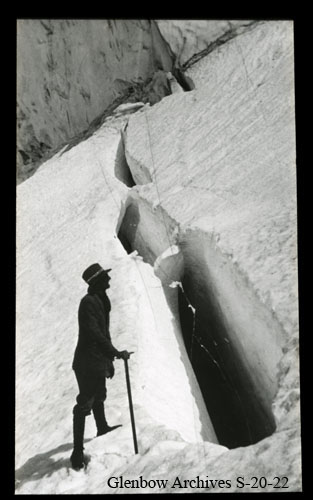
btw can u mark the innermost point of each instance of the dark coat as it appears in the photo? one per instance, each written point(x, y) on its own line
point(94, 352)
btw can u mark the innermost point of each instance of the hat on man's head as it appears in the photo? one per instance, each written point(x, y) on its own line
point(93, 272)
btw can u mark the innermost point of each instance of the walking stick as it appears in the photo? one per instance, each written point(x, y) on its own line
point(131, 410)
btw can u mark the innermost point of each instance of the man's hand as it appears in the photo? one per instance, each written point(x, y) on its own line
point(124, 355)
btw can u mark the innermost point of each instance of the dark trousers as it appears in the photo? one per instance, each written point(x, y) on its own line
point(92, 394)
point(92, 391)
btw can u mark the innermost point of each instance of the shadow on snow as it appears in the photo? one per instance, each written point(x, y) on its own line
point(43, 464)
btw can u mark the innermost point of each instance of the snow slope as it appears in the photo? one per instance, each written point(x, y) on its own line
point(67, 216)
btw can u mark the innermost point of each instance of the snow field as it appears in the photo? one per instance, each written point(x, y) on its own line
point(67, 216)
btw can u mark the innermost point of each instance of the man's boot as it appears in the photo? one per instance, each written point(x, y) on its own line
point(78, 459)
point(101, 423)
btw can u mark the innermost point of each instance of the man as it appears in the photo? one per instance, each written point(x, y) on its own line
point(93, 359)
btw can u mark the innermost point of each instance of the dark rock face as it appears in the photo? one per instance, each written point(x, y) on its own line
point(70, 71)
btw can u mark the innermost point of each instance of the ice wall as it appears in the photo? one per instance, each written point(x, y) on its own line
point(188, 39)
point(70, 71)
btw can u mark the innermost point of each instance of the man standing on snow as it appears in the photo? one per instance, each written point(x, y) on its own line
point(93, 359)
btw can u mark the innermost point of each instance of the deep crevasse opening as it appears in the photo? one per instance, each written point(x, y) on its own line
point(222, 324)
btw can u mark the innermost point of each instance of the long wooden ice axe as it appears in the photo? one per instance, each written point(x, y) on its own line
point(131, 410)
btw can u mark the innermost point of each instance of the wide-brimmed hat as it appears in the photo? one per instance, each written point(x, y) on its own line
point(92, 272)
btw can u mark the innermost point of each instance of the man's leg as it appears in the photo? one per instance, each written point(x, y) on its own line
point(98, 410)
point(98, 413)
point(98, 407)
point(85, 400)
point(78, 458)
